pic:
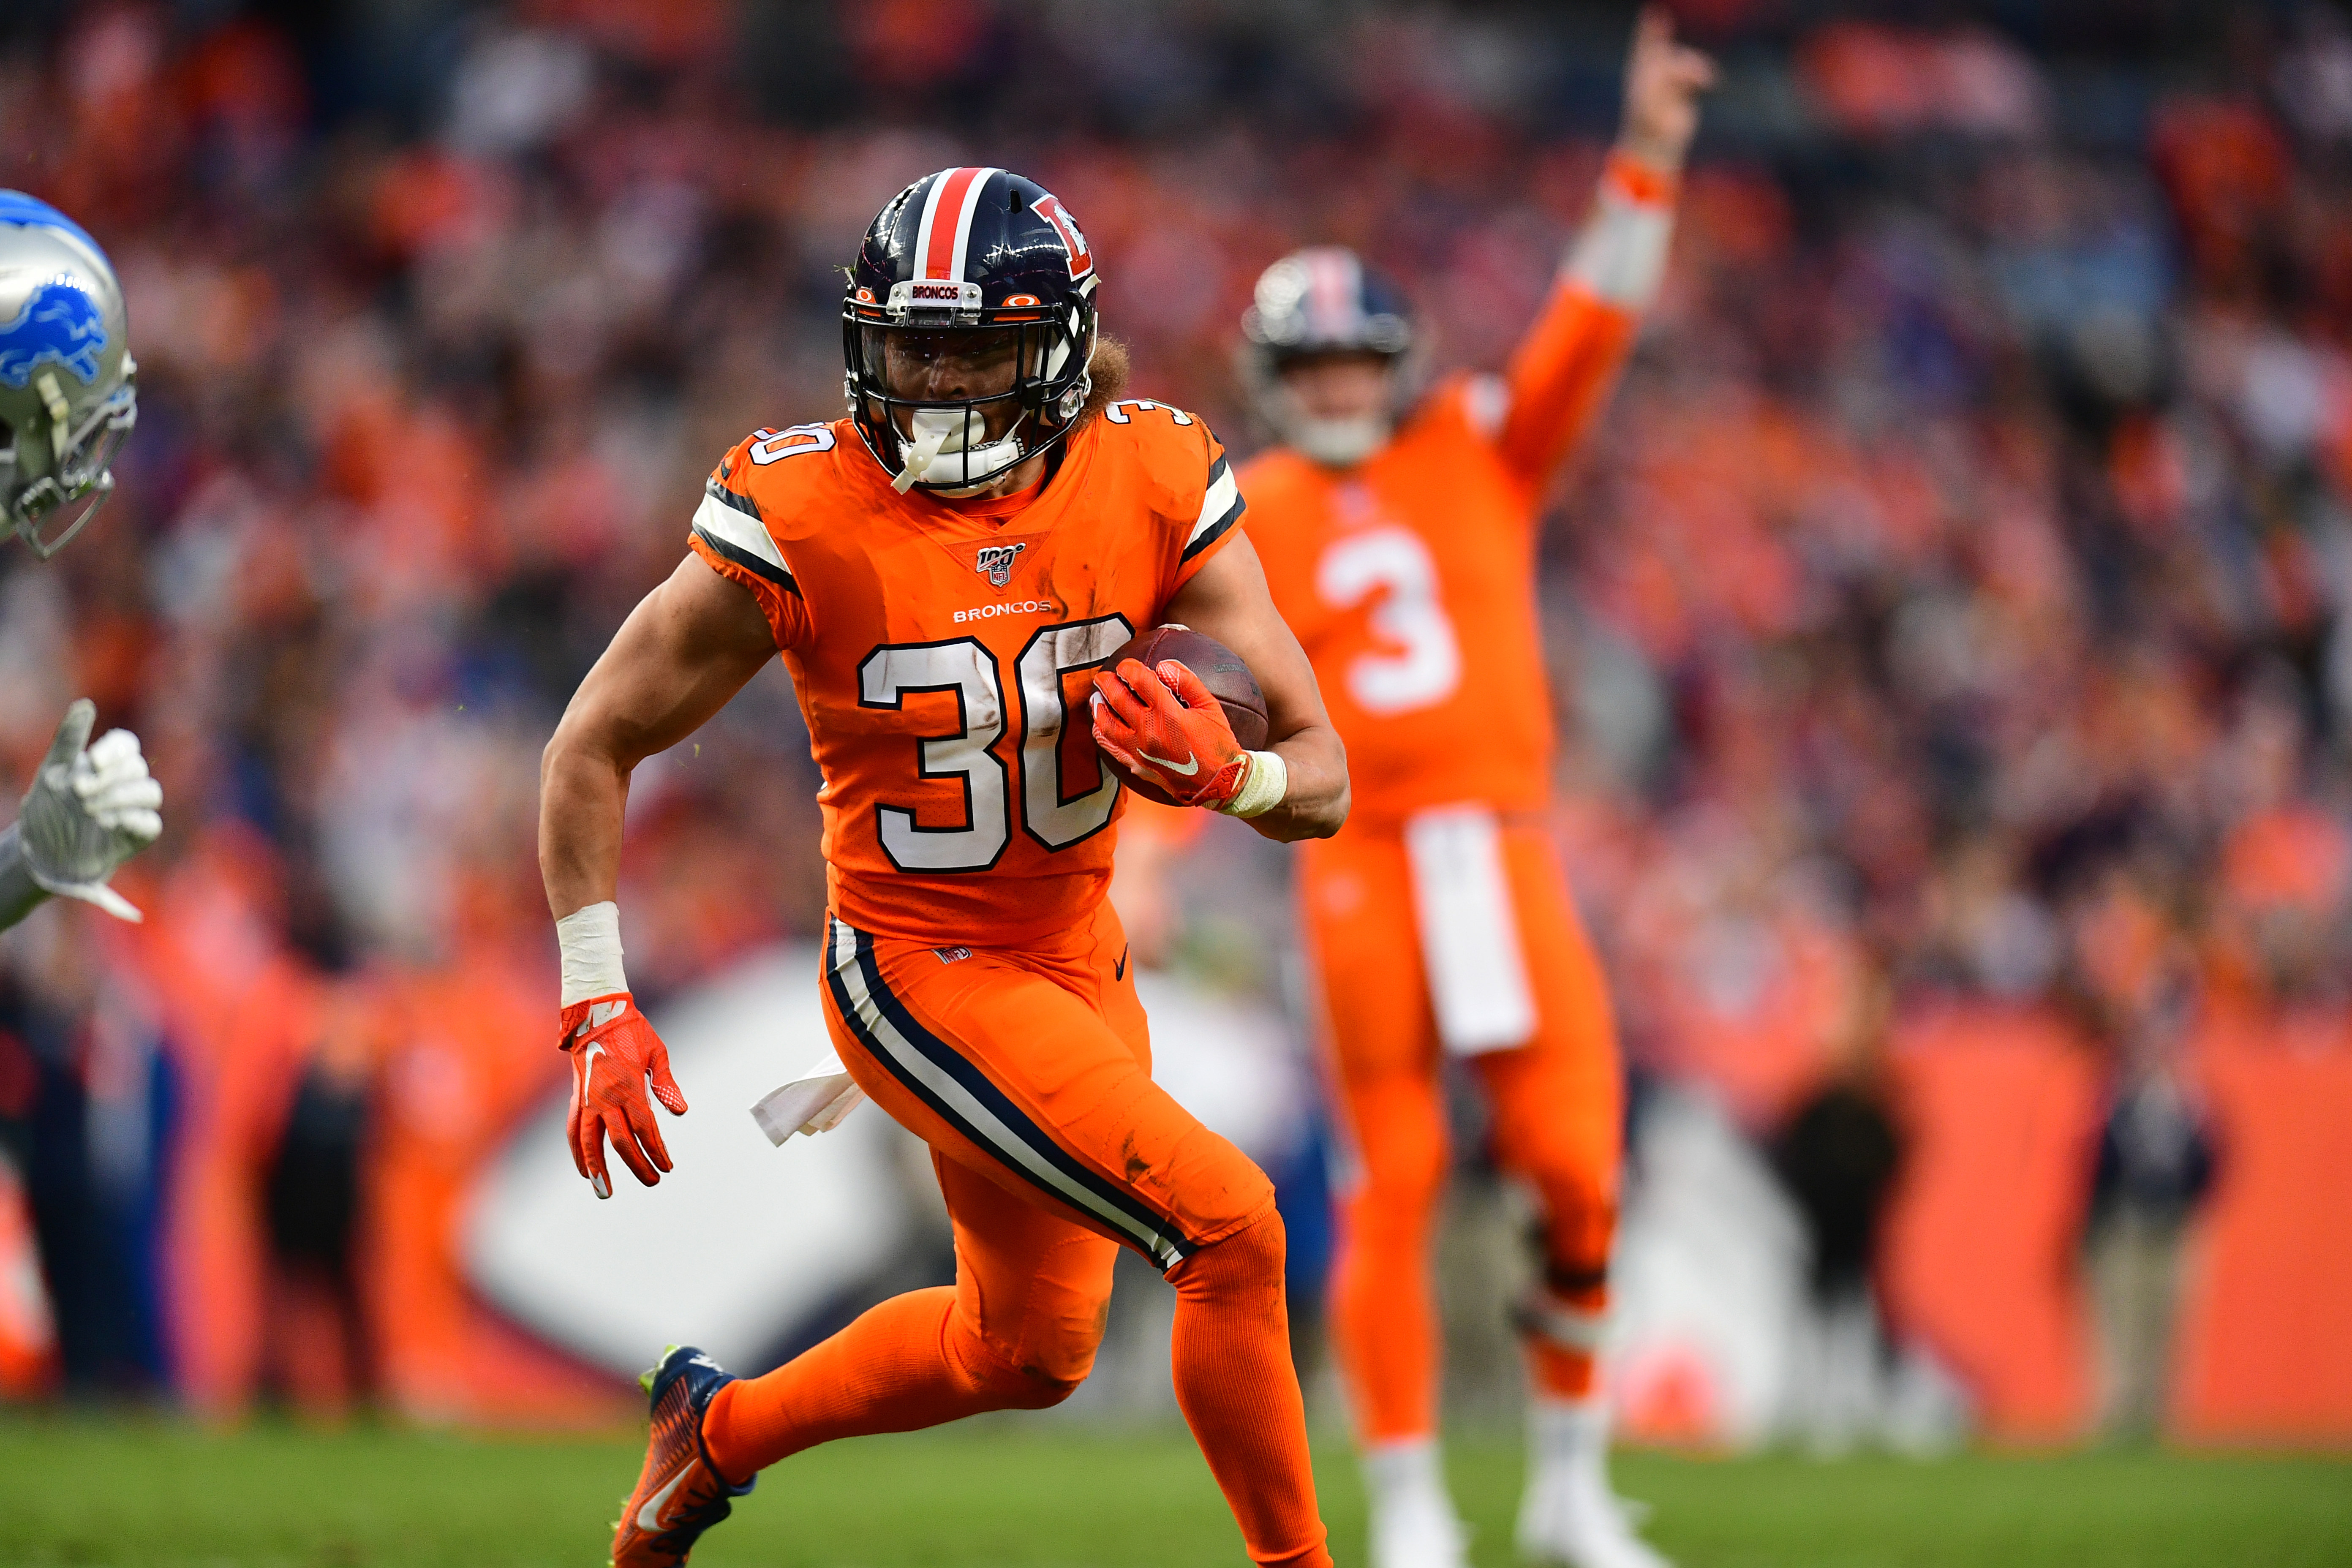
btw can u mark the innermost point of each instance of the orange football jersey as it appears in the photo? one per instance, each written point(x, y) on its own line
point(1410, 579)
point(941, 655)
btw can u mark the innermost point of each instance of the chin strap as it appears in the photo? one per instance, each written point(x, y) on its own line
point(1340, 443)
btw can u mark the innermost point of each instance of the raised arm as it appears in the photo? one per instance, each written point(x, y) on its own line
point(1568, 363)
point(689, 646)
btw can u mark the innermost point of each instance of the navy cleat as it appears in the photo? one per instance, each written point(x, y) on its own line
point(680, 1493)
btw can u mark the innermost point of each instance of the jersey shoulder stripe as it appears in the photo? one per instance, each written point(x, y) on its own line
point(731, 523)
point(799, 480)
point(1179, 472)
point(1220, 506)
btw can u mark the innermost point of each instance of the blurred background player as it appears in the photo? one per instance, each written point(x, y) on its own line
point(944, 572)
point(68, 399)
point(1398, 527)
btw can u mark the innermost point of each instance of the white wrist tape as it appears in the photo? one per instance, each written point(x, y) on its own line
point(1263, 787)
point(590, 941)
point(1621, 256)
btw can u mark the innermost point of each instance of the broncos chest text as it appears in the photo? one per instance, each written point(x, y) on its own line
point(973, 722)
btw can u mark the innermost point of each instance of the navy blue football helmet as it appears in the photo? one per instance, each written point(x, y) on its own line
point(1325, 300)
point(968, 251)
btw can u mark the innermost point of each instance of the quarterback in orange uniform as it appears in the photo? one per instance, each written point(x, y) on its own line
point(945, 572)
point(1398, 530)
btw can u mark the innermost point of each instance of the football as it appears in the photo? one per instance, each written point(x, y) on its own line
point(1221, 670)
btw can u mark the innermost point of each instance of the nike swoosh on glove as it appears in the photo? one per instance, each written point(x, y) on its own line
point(613, 1051)
point(89, 811)
point(1168, 727)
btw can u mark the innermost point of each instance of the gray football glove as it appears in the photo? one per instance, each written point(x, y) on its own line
point(89, 811)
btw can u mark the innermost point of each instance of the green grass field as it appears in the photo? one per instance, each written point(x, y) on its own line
point(92, 1491)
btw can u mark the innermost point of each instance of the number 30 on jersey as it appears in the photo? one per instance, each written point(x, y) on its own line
point(966, 667)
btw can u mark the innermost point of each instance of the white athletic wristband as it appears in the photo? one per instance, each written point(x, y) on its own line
point(590, 941)
point(1263, 787)
point(1621, 254)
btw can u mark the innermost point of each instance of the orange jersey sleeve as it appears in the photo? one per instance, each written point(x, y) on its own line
point(1186, 483)
point(1566, 366)
point(733, 534)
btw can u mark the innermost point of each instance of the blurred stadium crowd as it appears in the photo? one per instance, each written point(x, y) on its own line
point(1954, 605)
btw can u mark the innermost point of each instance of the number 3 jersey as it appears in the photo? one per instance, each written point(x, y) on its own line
point(941, 655)
point(1410, 579)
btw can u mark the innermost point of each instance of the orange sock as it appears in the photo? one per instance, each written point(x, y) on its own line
point(1560, 1372)
point(1235, 1384)
point(907, 1363)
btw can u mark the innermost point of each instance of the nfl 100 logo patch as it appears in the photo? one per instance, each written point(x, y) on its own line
point(995, 563)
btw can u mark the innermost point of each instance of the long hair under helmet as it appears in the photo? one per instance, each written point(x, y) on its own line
point(978, 250)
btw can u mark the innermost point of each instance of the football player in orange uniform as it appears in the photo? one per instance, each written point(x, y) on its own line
point(1398, 530)
point(945, 572)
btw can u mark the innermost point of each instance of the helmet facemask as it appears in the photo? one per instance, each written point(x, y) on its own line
point(55, 485)
point(1333, 442)
point(1336, 442)
point(951, 400)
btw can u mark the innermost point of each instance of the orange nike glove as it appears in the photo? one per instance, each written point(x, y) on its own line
point(1167, 727)
point(613, 1050)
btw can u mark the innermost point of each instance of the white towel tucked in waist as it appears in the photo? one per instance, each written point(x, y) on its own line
point(813, 1102)
point(1469, 931)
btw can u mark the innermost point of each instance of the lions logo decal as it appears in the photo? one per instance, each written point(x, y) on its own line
point(996, 562)
point(58, 325)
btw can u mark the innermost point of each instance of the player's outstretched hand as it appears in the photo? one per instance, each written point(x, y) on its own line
point(613, 1052)
point(1662, 82)
point(1166, 726)
point(89, 811)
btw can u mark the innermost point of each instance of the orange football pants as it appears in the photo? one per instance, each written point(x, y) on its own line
point(1028, 1071)
point(1556, 1107)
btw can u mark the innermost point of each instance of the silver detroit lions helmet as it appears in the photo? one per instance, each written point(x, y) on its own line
point(67, 385)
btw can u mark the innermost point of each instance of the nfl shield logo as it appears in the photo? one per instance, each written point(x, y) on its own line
point(996, 562)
